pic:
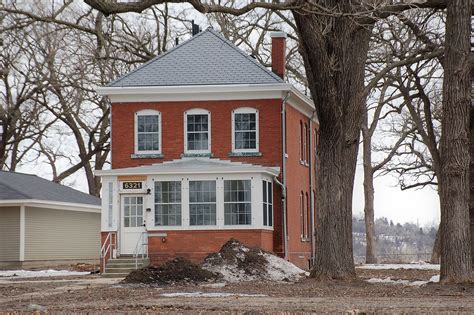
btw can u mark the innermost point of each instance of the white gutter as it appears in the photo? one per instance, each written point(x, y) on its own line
point(283, 174)
point(183, 89)
point(52, 204)
point(313, 196)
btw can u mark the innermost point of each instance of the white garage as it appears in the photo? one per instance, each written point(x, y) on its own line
point(46, 224)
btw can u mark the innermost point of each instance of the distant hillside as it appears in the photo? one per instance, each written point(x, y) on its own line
point(395, 242)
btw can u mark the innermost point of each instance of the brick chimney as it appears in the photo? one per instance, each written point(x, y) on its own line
point(278, 53)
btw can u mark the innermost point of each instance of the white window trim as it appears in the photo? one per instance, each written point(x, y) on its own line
point(246, 110)
point(169, 203)
point(148, 112)
point(269, 201)
point(197, 111)
point(256, 202)
point(189, 201)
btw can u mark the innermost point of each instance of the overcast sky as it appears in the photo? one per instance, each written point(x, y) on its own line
point(414, 205)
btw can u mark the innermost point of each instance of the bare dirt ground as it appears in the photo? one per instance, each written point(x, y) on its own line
point(92, 294)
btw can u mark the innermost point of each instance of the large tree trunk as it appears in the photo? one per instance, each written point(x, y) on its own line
point(454, 186)
point(471, 165)
point(436, 252)
point(335, 52)
point(369, 191)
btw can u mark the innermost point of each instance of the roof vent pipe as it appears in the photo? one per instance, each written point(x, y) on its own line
point(195, 28)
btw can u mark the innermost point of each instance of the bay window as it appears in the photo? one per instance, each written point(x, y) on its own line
point(168, 203)
point(202, 203)
point(237, 202)
point(267, 203)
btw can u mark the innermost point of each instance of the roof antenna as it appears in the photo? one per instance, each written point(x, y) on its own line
point(195, 28)
point(176, 41)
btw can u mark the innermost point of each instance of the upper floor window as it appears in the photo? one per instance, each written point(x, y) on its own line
point(197, 123)
point(304, 143)
point(147, 131)
point(245, 130)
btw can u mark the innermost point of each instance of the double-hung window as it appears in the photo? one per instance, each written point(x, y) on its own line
point(147, 132)
point(197, 131)
point(202, 202)
point(237, 202)
point(168, 203)
point(245, 130)
point(267, 203)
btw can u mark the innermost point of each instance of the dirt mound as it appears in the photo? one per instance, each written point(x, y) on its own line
point(85, 267)
point(174, 271)
point(237, 262)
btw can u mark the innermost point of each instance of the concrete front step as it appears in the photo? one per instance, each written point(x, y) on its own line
point(114, 275)
point(122, 266)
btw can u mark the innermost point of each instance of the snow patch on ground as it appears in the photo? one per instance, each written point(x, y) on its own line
point(237, 262)
point(279, 269)
point(39, 273)
point(209, 294)
point(388, 280)
point(418, 266)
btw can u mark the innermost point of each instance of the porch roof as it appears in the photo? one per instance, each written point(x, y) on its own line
point(192, 166)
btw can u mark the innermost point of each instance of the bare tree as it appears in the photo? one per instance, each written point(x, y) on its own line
point(454, 147)
point(334, 41)
point(69, 50)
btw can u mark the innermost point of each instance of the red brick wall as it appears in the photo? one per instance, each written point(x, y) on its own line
point(195, 245)
point(172, 117)
point(269, 145)
point(298, 179)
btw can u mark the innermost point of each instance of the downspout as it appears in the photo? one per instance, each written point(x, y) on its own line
point(283, 174)
point(311, 186)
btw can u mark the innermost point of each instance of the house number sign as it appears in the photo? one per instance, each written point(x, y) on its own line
point(132, 185)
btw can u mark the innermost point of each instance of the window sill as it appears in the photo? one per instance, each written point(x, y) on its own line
point(235, 154)
point(305, 239)
point(147, 156)
point(196, 155)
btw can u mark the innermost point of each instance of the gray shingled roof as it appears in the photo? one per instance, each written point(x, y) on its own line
point(205, 59)
point(18, 186)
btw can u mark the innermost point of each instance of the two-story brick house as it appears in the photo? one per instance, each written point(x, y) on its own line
point(208, 144)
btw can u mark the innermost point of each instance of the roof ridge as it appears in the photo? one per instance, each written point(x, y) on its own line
point(254, 61)
point(159, 57)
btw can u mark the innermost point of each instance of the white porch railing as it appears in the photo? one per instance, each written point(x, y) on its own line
point(141, 249)
point(107, 249)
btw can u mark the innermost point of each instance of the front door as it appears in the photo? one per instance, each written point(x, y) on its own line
point(132, 223)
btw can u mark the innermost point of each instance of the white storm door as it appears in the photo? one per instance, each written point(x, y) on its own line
point(132, 223)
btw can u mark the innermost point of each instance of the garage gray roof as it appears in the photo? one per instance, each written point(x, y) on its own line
point(18, 186)
point(205, 59)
